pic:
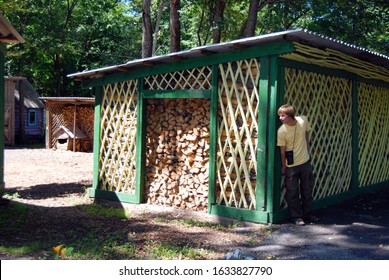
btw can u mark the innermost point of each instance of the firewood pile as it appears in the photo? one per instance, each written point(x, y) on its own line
point(177, 153)
point(84, 121)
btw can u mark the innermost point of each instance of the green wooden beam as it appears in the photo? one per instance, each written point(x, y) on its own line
point(257, 51)
point(262, 156)
point(280, 97)
point(113, 196)
point(140, 145)
point(2, 105)
point(240, 214)
point(96, 136)
point(271, 137)
point(176, 94)
point(354, 137)
point(213, 123)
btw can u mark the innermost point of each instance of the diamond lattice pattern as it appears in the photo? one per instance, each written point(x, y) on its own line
point(190, 79)
point(118, 137)
point(237, 134)
point(373, 130)
point(326, 101)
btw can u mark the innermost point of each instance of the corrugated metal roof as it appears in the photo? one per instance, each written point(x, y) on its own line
point(70, 100)
point(299, 35)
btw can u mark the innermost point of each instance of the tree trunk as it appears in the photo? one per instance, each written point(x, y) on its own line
point(58, 73)
point(252, 18)
point(175, 31)
point(155, 36)
point(218, 20)
point(147, 33)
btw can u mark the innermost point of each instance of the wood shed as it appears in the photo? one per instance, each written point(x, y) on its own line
point(70, 123)
point(24, 113)
point(197, 129)
point(8, 34)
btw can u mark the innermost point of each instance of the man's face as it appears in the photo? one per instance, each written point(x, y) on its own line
point(285, 119)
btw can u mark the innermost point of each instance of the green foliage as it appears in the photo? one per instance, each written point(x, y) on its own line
point(68, 36)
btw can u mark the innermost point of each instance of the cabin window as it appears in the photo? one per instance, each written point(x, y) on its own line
point(32, 118)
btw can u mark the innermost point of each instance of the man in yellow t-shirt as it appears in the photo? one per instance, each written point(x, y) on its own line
point(293, 140)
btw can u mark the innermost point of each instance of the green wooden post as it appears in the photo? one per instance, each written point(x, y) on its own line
point(262, 156)
point(271, 139)
point(140, 146)
point(2, 101)
point(355, 135)
point(213, 138)
point(96, 140)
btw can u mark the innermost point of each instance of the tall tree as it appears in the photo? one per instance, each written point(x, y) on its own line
point(218, 18)
point(252, 18)
point(157, 24)
point(147, 34)
point(175, 28)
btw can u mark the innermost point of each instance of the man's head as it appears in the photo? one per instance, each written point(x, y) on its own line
point(286, 114)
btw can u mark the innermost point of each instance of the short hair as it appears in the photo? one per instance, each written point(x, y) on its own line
point(287, 110)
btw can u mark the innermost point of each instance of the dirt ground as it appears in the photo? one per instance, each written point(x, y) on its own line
point(54, 183)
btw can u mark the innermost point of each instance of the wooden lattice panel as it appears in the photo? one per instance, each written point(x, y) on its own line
point(336, 60)
point(118, 137)
point(191, 79)
point(57, 119)
point(326, 101)
point(373, 129)
point(237, 134)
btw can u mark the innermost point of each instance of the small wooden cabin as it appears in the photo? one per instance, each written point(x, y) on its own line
point(8, 34)
point(70, 123)
point(197, 129)
point(24, 113)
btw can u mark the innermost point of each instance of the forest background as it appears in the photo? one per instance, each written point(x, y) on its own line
point(68, 36)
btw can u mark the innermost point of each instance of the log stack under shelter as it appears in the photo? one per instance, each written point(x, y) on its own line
point(197, 129)
point(69, 114)
point(177, 153)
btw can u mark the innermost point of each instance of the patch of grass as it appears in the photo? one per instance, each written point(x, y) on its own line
point(13, 216)
point(11, 195)
point(24, 249)
point(108, 212)
point(188, 222)
point(99, 246)
point(167, 251)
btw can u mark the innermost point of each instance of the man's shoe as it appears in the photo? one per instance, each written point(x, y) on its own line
point(299, 222)
point(312, 219)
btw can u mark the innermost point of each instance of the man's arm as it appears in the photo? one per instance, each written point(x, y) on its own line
point(307, 139)
point(283, 159)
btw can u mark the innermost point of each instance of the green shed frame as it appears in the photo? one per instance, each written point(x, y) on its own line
point(8, 34)
point(343, 89)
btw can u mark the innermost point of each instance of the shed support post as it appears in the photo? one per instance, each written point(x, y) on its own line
point(140, 146)
point(262, 154)
point(74, 127)
point(96, 139)
point(213, 138)
point(273, 165)
point(2, 101)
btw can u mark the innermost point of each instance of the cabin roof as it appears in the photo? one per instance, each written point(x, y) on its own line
point(302, 36)
point(69, 100)
point(8, 33)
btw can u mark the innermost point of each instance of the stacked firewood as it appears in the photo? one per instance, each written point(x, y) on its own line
point(84, 121)
point(177, 153)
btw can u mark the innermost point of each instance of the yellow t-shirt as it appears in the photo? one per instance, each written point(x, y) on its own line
point(293, 138)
